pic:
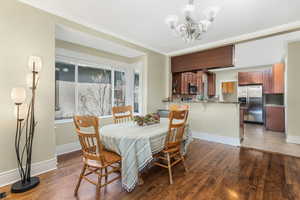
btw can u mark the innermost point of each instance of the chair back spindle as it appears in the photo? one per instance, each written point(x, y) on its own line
point(176, 128)
point(122, 114)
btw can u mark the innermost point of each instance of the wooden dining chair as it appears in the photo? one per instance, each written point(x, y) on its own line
point(171, 154)
point(178, 107)
point(122, 114)
point(96, 160)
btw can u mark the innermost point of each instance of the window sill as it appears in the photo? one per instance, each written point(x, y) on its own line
point(66, 121)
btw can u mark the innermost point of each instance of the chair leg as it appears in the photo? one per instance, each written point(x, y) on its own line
point(169, 167)
point(98, 186)
point(80, 179)
point(106, 175)
point(183, 162)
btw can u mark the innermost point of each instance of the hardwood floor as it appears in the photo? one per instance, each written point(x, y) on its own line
point(216, 171)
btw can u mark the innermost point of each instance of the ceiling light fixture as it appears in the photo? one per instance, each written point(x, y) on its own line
point(191, 29)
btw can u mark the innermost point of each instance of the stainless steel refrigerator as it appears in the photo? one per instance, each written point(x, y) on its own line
point(251, 98)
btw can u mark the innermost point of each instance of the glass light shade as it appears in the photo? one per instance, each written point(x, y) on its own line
point(29, 79)
point(188, 10)
point(211, 13)
point(35, 63)
point(172, 20)
point(18, 95)
point(22, 111)
point(205, 25)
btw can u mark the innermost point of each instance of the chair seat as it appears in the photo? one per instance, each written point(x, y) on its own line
point(171, 150)
point(110, 158)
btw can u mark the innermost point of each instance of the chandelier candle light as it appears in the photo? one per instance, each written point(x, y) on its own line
point(25, 130)
point(191, 29)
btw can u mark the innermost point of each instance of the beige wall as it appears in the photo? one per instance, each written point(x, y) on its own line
point(28, 31)
point(293, 95)
point(24, 32)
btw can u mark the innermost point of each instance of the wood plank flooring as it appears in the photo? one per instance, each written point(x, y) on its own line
point(216, 171)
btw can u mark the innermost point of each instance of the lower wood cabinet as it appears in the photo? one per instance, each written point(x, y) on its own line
point(275, 120)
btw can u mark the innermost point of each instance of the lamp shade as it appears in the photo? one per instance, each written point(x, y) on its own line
point(22, 112)
point(35, 63)
point(29, 79)
point(18, 95)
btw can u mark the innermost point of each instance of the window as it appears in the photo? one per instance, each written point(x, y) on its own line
point(94, 91)
point(136, 92)
point(64, 90)
point(88, 90)
point(119, 89)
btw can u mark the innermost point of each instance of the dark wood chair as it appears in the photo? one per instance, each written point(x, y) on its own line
point(171, 154)
point(122, 114)
point(96, 160)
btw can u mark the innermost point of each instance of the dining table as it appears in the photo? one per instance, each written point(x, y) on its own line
point(136, 145)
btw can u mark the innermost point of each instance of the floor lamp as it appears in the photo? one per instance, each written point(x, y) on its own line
point(25, 127)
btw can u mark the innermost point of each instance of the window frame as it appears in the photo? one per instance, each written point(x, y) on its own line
point(104, 65)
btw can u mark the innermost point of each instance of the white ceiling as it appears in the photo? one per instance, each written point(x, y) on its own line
point(84, 39)
point(142, 21)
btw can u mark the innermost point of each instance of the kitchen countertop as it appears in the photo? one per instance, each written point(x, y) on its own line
point(274, 105)
point(208, 101)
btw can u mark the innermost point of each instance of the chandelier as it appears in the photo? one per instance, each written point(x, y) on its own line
point(191, 29)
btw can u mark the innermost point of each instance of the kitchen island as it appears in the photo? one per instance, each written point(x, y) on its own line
point(215, 121)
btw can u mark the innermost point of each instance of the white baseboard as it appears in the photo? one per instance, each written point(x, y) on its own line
point(67, 148)
point(217, 138)
point(293, 139)
point(38, 168)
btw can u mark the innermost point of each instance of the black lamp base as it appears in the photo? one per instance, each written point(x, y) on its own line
point(20, 187)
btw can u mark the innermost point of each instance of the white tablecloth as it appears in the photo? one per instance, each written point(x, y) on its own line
point(136, 145)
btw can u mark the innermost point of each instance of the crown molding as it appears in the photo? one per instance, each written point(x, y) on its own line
point(94, 27)
point(277, 30)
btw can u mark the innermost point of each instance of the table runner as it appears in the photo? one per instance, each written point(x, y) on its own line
point(136, 145)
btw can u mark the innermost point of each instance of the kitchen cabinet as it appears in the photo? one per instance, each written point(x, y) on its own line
point(176, 83)
point(267, 81)
point(250, 78)
point(211, 79)
point(273, 79)
point(199, 82)
point(181, 81)
point(275, 120)
point(278, 78)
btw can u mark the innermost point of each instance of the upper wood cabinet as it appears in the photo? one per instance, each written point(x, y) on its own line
point(211, 79)
point(278, 78)
point(273, 79)
point(250, 78)
point(267, 81)
point(181, 81)
point(213, 58)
